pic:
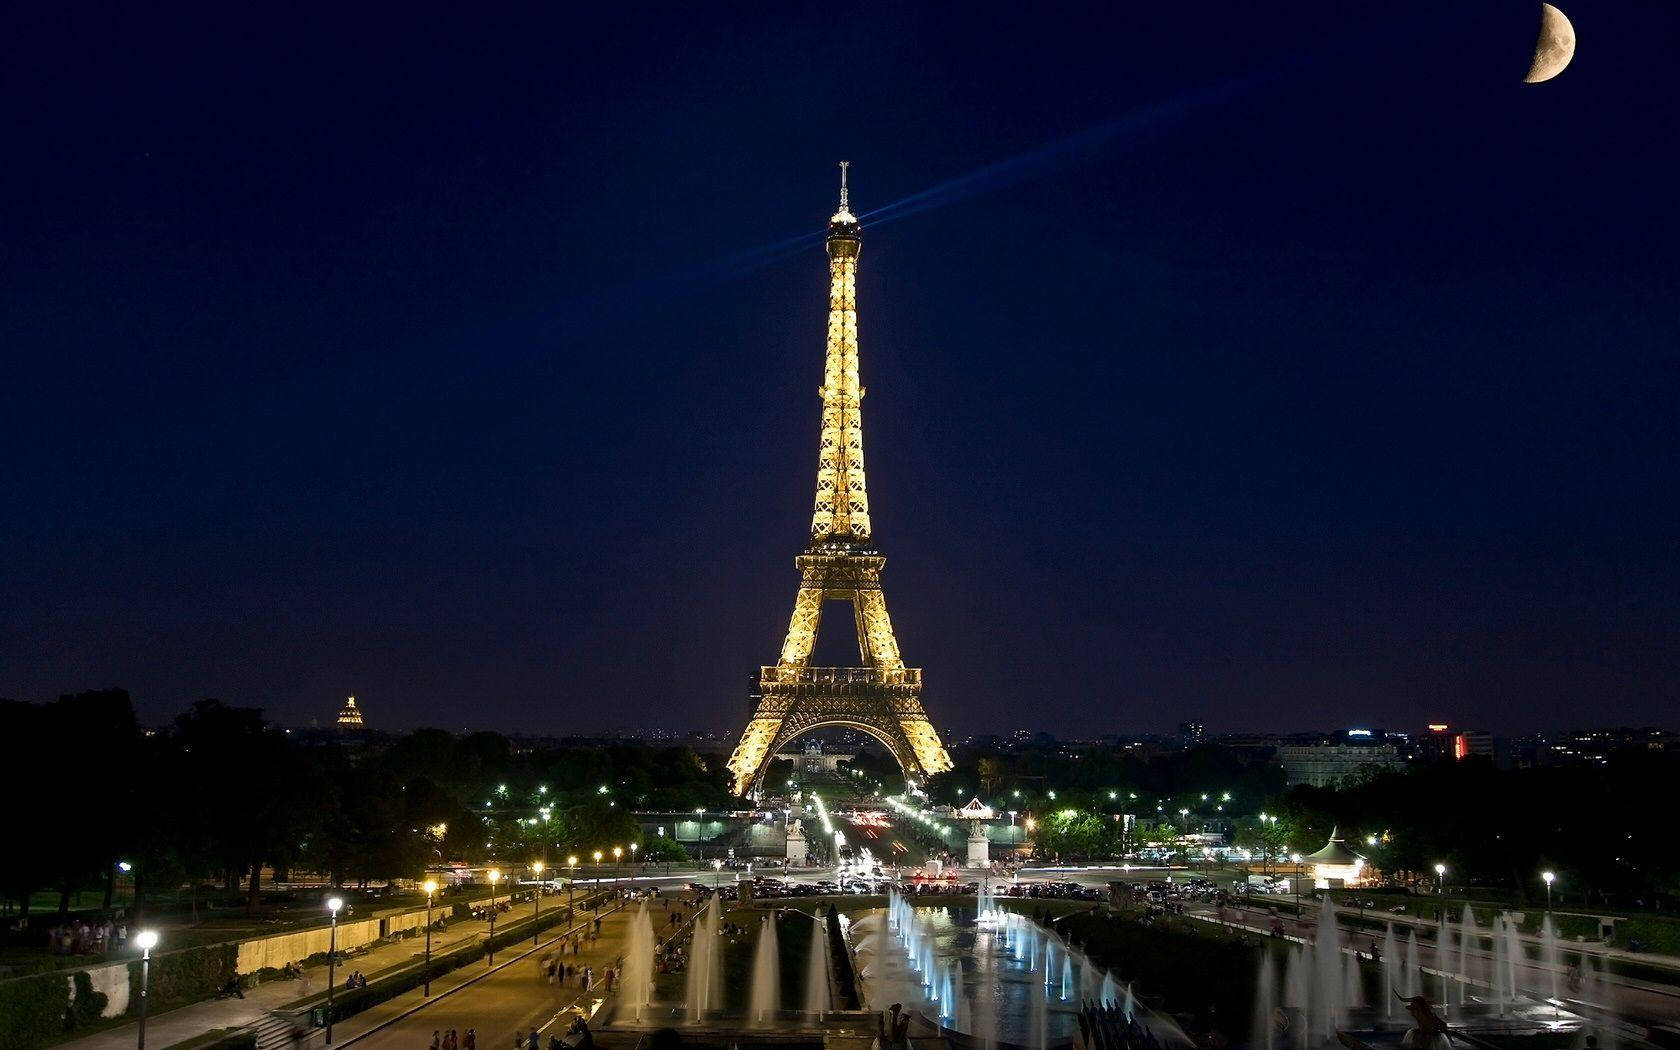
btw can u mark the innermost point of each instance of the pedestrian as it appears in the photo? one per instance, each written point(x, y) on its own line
point(437, 1040)
point(532, 1040)
point(471, 1040)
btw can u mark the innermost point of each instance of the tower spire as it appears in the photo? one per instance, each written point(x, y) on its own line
point(844, 216)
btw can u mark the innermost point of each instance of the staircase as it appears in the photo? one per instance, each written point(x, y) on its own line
point(274, 1032)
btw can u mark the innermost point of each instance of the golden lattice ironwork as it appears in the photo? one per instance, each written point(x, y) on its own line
point(883, 697)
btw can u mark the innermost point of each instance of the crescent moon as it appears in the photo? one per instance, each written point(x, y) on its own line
point(1554, 48)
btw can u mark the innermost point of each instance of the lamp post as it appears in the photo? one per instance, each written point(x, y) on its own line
point(431, 888)
point(1440, 890)
point(1296, 858)
point(597, 856)
point(536, 916)
point(495, 876)
point(717, 867)
point(571, 862)
point(633, 856)
point(333, 904)
point(1548, 878)
point(618, 855)
point(147, 940)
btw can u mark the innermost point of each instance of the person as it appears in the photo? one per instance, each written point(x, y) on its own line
point(580, 1028)
point(532, 1040)
point(471, 1041)
point(437, 1040)
point(588, 977)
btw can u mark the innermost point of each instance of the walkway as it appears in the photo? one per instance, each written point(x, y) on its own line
point(189, 1022)
point(510, 1000)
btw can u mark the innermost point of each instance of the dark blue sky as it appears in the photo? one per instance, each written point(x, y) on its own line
point(1291, 368)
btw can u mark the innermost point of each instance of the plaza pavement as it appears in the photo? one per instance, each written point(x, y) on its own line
point(188, 1022)
point(509, 1001)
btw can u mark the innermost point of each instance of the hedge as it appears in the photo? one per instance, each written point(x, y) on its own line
point(1660, 936)
point(37, 1010)
point(32, 1009)
point(1194, 973)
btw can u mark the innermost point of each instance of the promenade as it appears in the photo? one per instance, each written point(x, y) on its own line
point(190, 1022)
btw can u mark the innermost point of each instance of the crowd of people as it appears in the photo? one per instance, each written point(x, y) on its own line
point(1108, 1028)
point(78, 938)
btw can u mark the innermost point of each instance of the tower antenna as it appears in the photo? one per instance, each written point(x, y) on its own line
point(843, 195)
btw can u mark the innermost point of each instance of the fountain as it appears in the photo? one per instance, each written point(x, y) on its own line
point(1514, 956)
point(1443, 958)
point(1468, 939)
point(1549, 960)
point(1263, 1031)
point(1391, 970)
point(637, 989)
point(1329, 1006)
point(705, 969)
point(1110, 994)
point(1414, 963)
point(767, 974)
point(817, 997)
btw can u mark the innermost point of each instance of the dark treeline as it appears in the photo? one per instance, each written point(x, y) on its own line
point(1605, 831)
point(1602, 829)
point(221, 794)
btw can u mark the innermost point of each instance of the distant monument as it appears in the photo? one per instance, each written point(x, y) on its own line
point(797, 849)
point(979, 847)
point(350, 717)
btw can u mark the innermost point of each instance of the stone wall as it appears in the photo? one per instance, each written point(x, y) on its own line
point(110, 981)
point(282, 948)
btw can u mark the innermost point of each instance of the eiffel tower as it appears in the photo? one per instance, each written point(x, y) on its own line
point(883, 697)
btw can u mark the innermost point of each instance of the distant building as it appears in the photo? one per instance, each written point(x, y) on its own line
point(350, 717)
point(1441, 741)
point(1596, 746)
point(1191, 733)
point(1324, 764)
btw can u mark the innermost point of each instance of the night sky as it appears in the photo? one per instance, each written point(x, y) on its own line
point(1278, 367)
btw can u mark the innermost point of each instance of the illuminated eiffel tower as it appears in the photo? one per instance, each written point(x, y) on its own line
point(883, 697)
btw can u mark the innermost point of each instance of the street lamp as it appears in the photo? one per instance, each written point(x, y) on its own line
point(1440, 878)
point(633, 847)
point(147, 940)
point(430, 887)
point(495, 875)
point(717, 866)
point(1548, 878)
point(597, 856)
point(618, 855)
point(536, 916)
point(571, 862)
point(333, 904)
